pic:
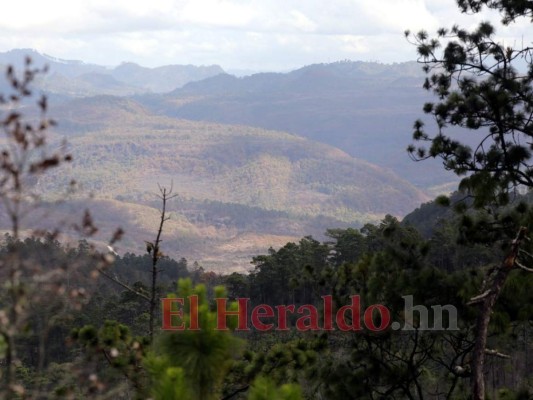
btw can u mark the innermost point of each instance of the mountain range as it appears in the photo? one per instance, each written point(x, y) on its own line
point(256, 160)
point(365, 109)
point(74, 78)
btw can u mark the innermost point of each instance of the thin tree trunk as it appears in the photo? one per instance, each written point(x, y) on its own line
point(156, 255)
point(488, 301)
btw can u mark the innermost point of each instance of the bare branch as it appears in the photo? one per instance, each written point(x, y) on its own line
point(516, 263)
point(120, 283)
point(479, 298)
point(495, 353)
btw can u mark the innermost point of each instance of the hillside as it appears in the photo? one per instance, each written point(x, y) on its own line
point(365, 109)
point(288, 185)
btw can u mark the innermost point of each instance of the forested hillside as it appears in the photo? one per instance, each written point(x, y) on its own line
point(355, 106)
point(241, 189)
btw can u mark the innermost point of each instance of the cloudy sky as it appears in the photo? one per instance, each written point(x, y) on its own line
point(236, 34)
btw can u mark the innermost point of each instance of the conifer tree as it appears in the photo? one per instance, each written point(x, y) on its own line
point(481, 86)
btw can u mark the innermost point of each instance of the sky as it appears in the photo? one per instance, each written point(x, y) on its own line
point(255, 35)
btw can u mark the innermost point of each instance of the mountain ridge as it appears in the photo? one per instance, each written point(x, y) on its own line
point(366, 109)
point(133, 77)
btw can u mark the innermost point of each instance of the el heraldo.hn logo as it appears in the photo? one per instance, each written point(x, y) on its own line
point(181, 314)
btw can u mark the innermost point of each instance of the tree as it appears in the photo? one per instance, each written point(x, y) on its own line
point(203, 356)
point(154, 251)
point(480, 86)
point(510, 9)
point(36, 295)
point(263, 389)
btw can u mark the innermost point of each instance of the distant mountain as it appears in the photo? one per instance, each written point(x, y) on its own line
point(65, 87)
point(68, 68)
point(163, 79)
point(365, 109)
point(79, 79)
point(321, 77)
point(241, 189)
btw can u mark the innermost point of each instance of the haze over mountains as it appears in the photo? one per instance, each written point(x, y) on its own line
point(76, 78)
point(257, 160)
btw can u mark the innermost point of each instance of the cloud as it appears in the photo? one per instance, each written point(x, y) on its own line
point(216, 13)
point(399, 15)
point(257, 34)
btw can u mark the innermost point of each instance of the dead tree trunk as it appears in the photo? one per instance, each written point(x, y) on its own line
point(166, 194)
point(154, 250)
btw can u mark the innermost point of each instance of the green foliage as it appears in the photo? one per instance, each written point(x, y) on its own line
point(264, 389)
point(383, 263)
point(380, 262)
point(168, 383)
point(278, 275)
point(479, 87)
point(121, 352)
point(443, 201)
point(3, 347)
point(510, 9)
point(491, 98)
point(204, 356)
point(521, 394)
